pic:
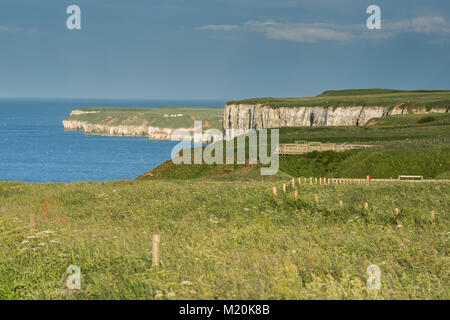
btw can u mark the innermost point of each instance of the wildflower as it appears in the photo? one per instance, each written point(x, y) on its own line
point(213, 219)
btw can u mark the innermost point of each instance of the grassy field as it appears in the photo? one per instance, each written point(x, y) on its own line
point(211, 117)
point(223, 240)
point(224, 235)
point(363, 97)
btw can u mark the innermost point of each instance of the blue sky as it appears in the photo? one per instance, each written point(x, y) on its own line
point(220, 49)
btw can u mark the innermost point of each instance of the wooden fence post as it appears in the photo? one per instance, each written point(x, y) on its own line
point(155, 250)
point(397, 211)
point(432, 214)
point(310, 180)
point(299, 180)
point(341, 204)
point(293, 183)
point(366, 205)
point(284, 187)
point(274, 190)
point(296, 194)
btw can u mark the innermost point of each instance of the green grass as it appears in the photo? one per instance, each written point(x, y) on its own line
point(407, 147)
point(223, 240)
point(364, 97)
point(224, 235)
point(430, 160)
point(211, 117)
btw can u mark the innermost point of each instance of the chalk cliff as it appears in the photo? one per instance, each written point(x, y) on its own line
point(242, 118)
point(153, 133)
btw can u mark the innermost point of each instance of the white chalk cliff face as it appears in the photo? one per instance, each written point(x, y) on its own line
point(153, 133)
point(242, 118)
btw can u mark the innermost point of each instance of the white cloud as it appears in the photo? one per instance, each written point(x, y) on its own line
point(4, 29)
point(221, 27)
point(430, 25)
point(300, 32)
point(433, 26)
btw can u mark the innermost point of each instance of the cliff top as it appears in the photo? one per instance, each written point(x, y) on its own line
point(168, 117)
point(360, 97)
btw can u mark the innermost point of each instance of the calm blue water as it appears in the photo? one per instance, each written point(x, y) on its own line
point(35, 148)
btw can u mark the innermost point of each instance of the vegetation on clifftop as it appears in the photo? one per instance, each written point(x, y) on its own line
point(362, 97)
point(168, 117)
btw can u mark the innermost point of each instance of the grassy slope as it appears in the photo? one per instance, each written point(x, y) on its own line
point(364, 97)
point(153, 117)
point(229, 240)
point(409, 147)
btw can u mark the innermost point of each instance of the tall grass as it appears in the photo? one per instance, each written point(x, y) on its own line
point(223, 240)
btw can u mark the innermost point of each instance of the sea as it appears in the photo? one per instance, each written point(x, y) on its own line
point(34, 147)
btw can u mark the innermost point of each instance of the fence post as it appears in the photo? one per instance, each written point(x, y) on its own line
point(274, 190)
point(397, 211)
point(293, 183)
point(341, 204)
point(432, 214)
point(366, 205)
point(155, 250)
point(299, 180)
point(310, 180)
point(284, 187)
point(296, 194)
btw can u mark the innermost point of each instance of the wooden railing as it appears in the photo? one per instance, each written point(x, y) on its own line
point(301, 147)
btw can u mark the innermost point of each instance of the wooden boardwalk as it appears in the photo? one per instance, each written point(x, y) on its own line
point(302, 147)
